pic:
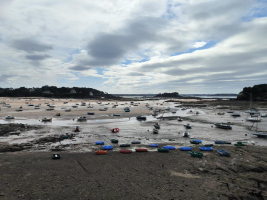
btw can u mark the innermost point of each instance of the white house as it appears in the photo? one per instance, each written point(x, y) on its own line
point(47, 92)
point(91, 94)
point(73, 91)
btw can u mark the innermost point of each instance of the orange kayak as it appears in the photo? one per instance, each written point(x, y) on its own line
point(141, 150)
point(125, 151)
point(101, 152)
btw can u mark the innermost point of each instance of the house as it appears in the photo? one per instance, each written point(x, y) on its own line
point(11, 88)
point(73, 91)
point(91, 94)
point(31, 89)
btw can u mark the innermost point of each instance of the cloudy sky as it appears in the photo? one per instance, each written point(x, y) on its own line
point(140, 46)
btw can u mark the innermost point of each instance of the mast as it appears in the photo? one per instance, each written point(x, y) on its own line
point(250, 106)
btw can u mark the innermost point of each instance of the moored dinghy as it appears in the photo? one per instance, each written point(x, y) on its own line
point(185, 148)
point(114, 141)
point(195, 141)
point(163, 150)
point(125, 151)
point(141, 150)
point(101, 152)
point(169, 147)
point(153, 145)
point(125, 145)
point(99, 142)
point(206, 148)
point(110, 147)
point(136, 142)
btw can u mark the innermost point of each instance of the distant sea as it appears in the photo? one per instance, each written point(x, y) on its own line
point(184, 95)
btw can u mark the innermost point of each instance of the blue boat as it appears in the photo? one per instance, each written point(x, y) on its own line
point(219, 142)
point(169, 147)
point(185, 148)
point(99, 142)
point(154, 145)
point(222, 152)
point(206, 148)
point(108, 147)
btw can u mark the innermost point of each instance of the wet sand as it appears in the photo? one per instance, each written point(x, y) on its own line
point(30, 173)
point(151, 175)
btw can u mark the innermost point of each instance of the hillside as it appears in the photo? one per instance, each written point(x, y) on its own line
point(259, 92)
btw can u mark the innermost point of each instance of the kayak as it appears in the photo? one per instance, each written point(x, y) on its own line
point(154, 145)
point(222, 152)
point(99, 142)
point(114, 130)
point(114, 141)
point(196, 154)
point(185, 148)
point(108, 147)
point(101, 152)
point(206, 148)
point(125, 151)
point(163, 150)
point(169, 147)
point(141, 150)
point(125, 145)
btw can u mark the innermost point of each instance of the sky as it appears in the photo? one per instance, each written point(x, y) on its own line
point(140, 46)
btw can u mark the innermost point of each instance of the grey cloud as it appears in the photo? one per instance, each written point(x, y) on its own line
point(136, 74)
point(31, 45)
point(110, 48)
point(37, 57)
point(79, 68)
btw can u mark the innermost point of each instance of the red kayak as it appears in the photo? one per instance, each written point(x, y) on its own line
point(141, 150)
point(114, 130)
point(125, 151)
point(101, 152)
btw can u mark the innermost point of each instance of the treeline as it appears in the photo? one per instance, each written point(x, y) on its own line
point(259, 92)
point(54, 92)
point(173, 94)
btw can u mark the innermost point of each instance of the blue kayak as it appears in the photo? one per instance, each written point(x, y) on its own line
point(218, 142)
point(108, 147)
point(185, 148)
point(206, 148)
point(169, 147)
point(99, 142)
point(154, 145)
point(222, 152)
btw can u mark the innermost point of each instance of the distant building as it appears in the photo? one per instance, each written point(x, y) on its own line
point(91, 94)
point(31, 89)
point(73, 91)
point(11, 88)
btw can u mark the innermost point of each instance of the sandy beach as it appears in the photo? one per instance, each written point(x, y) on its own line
point(27, 144)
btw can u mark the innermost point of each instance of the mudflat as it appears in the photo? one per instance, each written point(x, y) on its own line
point(152, 175)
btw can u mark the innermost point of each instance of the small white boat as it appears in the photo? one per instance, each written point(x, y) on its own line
point(46, 119)
point(186, 134)
point(264, 115)
point(82, 118)
point(10, 117)
point(63, 107)
point(253, 119)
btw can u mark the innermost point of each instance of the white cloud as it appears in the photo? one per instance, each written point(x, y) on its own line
point(199, 44)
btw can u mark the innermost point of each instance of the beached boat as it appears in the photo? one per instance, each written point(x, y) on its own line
point(222, 152)
point(125, 145)
point(127, 110)
point(58, 114)
point(187, 126)
point(141, 150)
point(74, 106)
point(82, 118)
point(46, 119)
point(116, 115)
point(77, 129)
point(186, 134)
point(114, 141)
point(253, 119)
point(101, 152)
point(153, 145)
point(18, 110)
point(99, 143)
point(115, 130)
point(180, 119)
point(219, 142)
point(220, 113)
point(206, 148)
point(223, 125)
point(90, 106)
point(196, 154)
point(49, 109)
point(102, 109)
point(185, 148)
point(157, 126)
point(67, 110)
point(90, 113)
point(195, 141)
point(163, 150)
point(260, 134)
point(238, 144)
point(141, 117)
point(107, 147)
point(264, 115)
point(10, 117)
point(136, 142)
point(155, 131)
point(126, 151)
point(235, 115)
point(169, 147)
